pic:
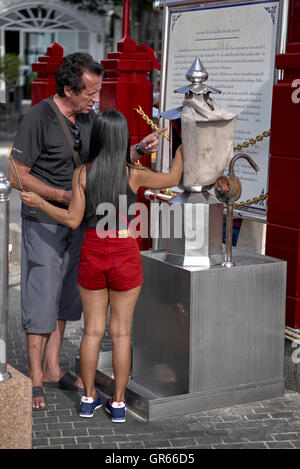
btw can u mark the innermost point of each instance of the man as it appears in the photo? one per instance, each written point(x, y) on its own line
point(50, 252)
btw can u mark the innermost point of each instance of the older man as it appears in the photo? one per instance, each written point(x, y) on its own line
point(50, 251)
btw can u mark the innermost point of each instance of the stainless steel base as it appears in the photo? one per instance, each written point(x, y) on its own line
point(205, 338)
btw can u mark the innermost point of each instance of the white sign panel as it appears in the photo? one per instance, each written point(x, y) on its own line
point(236, 43)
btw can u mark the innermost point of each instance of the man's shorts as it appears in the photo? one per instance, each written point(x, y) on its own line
point(109, 263)
point(49, 269)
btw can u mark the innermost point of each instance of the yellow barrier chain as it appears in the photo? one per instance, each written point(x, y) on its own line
point(249, 202)
point(253, 141)
point(149, 121)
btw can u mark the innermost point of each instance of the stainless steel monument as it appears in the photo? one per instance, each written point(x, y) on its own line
point(207, 333)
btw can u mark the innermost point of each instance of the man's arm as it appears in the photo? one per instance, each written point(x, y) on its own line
point(148, 145)
point(73, 215)
point(32, 184)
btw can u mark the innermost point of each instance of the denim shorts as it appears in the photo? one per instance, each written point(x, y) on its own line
point(109, 263)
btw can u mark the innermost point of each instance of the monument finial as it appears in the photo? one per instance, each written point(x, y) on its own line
point(196, 73)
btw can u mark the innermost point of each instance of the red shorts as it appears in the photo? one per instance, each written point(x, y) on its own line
point(109, 263)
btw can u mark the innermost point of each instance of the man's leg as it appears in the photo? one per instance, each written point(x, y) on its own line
point(51, 369)
point(69, 306)
point(35, 346)
point(41, 260)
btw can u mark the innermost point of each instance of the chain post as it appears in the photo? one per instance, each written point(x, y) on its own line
point(4, 225)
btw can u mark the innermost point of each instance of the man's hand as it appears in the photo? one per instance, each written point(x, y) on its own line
point(150, 143)
point(66, 197)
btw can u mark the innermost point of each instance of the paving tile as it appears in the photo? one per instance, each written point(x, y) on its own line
point(279, 445)
point(182, 442)
point(40, 442)
point(62, 441)
point(87, 446)
point(157, 444)
point(131, 445)
point(286, 436)
point(296, 443)
point(241, 446)
point(48, 447)
point(104, 446)
point(74, 432)
point(46, 434)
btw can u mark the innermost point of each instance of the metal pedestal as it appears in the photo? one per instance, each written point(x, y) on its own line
point(205, 338)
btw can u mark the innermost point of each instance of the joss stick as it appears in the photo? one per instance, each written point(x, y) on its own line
point(11, 160)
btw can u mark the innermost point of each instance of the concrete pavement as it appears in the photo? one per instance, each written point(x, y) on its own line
point(269, 424)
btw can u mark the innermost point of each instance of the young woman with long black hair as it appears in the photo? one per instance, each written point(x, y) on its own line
point(110, 269)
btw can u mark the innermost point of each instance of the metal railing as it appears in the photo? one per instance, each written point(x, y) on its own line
point(4, 230)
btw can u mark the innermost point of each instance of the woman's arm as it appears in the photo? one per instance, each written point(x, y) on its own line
point(71, 217)
point(31, 183)
point(153, 180)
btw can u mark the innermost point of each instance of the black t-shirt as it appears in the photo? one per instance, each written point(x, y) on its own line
point(42, 145)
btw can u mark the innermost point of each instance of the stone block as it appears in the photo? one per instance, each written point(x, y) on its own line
point(15, 411)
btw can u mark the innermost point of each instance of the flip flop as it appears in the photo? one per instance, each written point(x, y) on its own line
point(67, 382)
point(37, 391)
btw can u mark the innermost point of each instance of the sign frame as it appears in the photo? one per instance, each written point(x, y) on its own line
point(171, 7)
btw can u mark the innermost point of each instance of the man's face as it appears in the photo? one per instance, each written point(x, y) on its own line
point(88, 96)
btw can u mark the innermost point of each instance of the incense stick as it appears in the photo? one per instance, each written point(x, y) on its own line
point(11, 160)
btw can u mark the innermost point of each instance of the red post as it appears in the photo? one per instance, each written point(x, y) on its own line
point(127, 86)
point(283, 219)
point(44, 85)
point(126, 18)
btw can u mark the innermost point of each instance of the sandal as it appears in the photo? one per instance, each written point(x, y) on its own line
point(67, 382)
point(37, 391)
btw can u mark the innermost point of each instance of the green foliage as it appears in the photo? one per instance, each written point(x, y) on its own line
point(92, 6)
point(10, 69)
point(96, 6)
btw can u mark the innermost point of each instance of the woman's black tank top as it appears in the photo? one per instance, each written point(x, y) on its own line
point(122, 219)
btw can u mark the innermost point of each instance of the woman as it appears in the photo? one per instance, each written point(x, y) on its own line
point(110, 269)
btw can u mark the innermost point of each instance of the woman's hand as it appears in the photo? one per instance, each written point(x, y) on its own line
point(31, 198)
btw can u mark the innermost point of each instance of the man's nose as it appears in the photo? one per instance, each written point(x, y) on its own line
point(96, 98)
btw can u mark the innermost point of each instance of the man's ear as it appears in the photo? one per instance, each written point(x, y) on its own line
point(68, 91)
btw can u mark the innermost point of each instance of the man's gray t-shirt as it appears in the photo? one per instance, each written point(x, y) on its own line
point(42, 145)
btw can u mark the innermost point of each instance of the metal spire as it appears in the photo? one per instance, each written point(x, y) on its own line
point(197, 75)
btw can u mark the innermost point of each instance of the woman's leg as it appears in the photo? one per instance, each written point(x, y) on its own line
point(94, 303)
point(122, 304)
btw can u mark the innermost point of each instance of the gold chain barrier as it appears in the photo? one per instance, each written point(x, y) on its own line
point(253, 141)
point(149, 121)
point(249, 202)
point(240, 146)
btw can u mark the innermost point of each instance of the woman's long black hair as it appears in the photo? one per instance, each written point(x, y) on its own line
point(109, 152)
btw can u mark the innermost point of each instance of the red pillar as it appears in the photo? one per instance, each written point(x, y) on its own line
point(127, 86)
point(283, 218)
point(44, 85)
